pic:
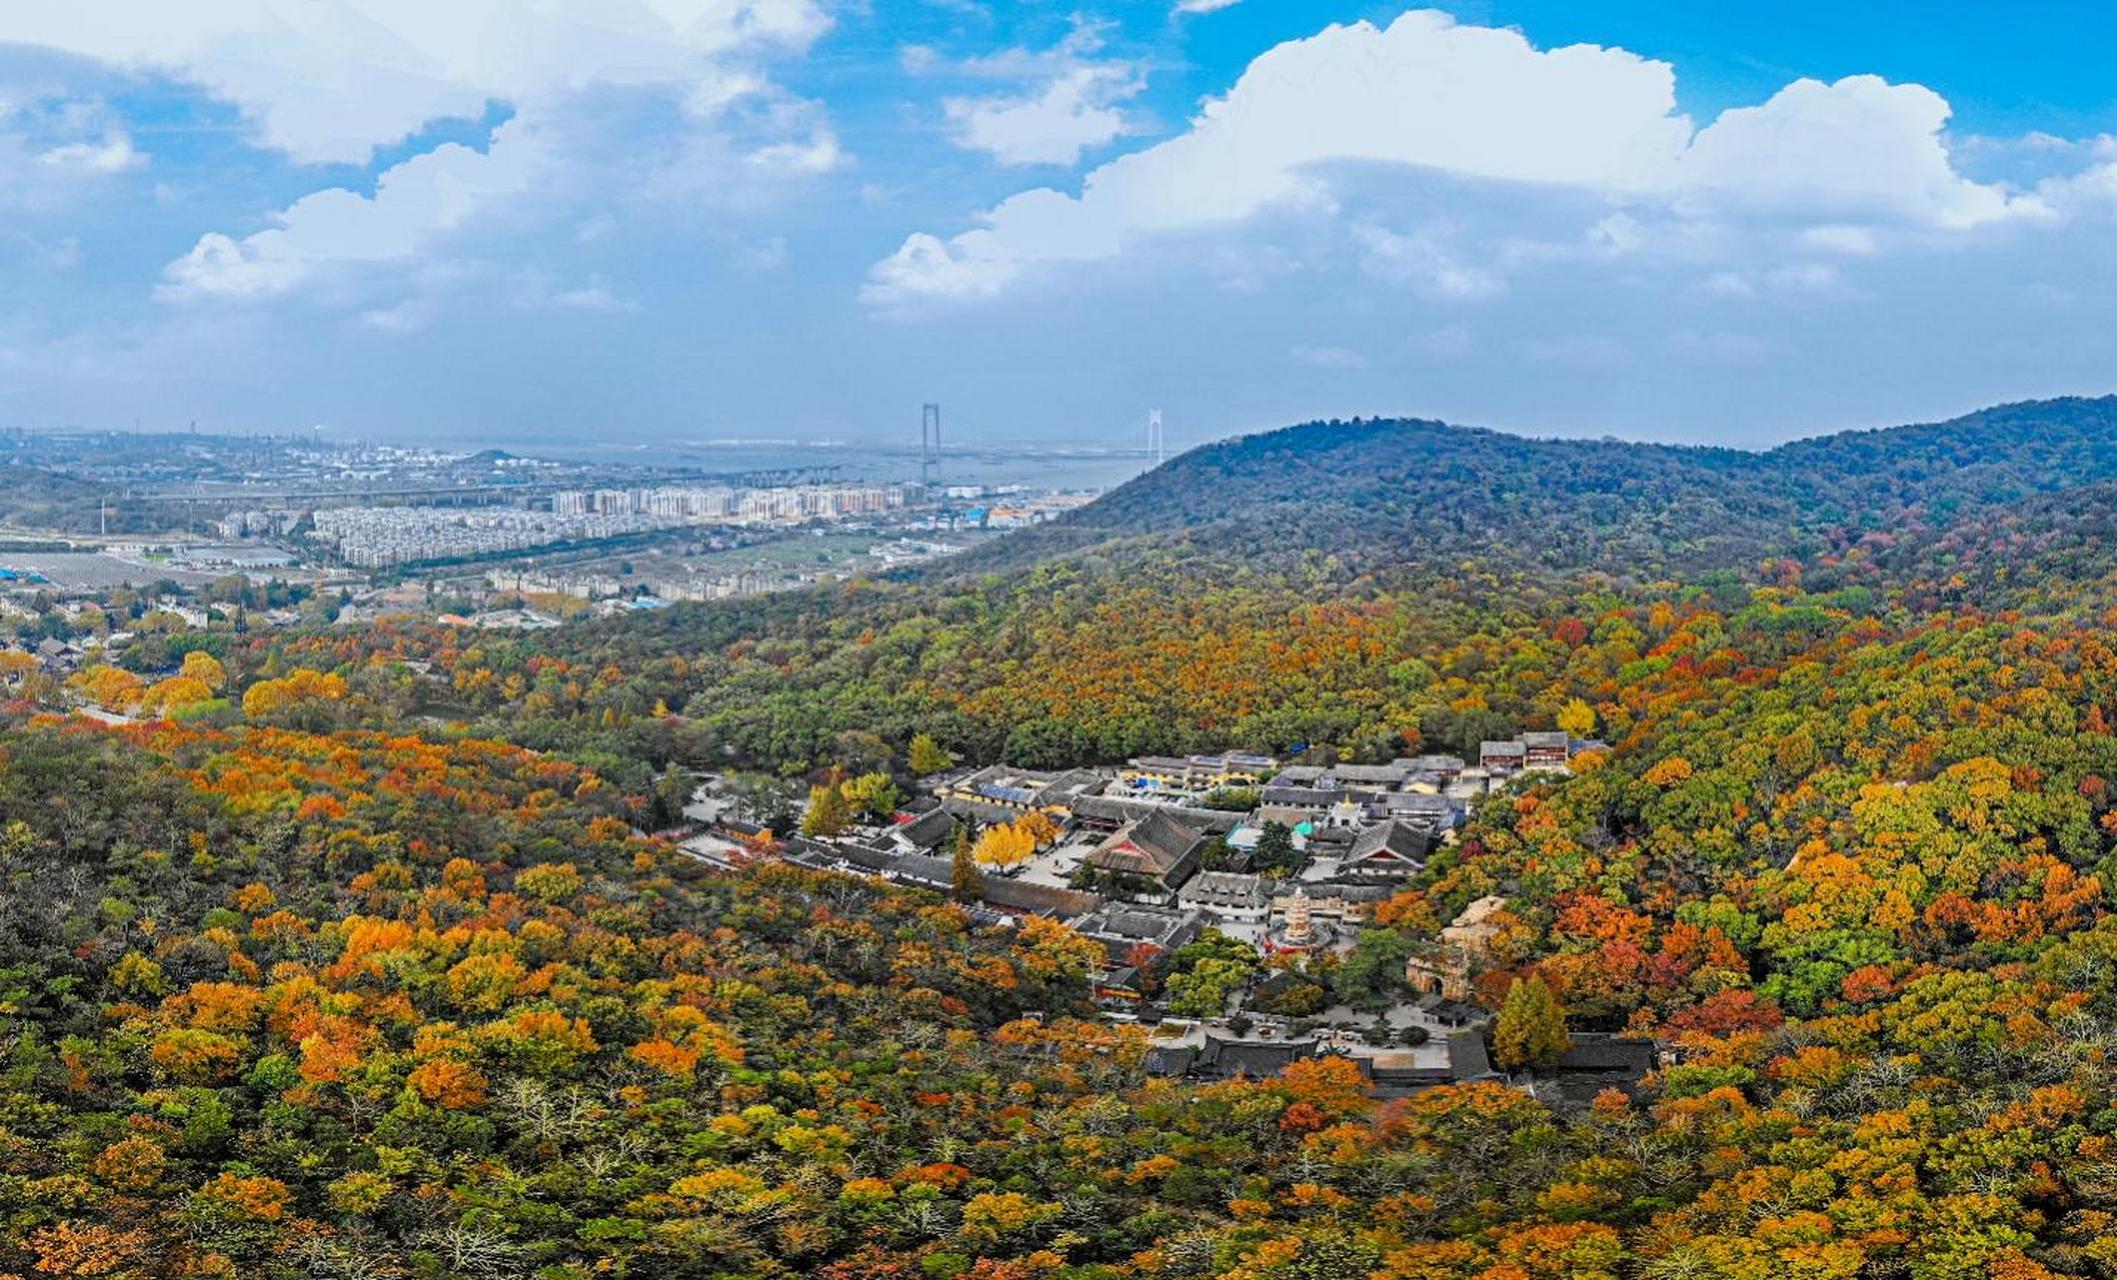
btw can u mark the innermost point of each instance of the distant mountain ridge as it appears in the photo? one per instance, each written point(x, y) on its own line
point(1295, 586)
point(1377, 492)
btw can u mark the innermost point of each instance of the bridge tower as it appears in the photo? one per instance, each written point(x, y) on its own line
point(1154, 448)
point(930, 446)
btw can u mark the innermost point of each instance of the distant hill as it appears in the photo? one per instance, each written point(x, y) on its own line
point(1324, 583)
point(1377, 493)
point(37, 500)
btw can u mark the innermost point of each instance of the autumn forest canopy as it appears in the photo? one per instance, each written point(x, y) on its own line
point(363, 952)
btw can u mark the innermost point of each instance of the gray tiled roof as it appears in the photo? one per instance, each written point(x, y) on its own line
point(1300, 797)
point(1392, 841)
point(930, 829)
point(1254, 1058)
point(1118, 809)
point(1038, 899)
point(1590, 1053)
point(1155, 846)
point(1371, 774)
point(1467, 1059)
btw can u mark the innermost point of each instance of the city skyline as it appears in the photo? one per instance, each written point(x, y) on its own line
point(799, 220)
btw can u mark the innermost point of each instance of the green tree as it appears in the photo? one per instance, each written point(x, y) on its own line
point(1796, 753)
point(755, 797)
point(1231, 799)
point(873, 794)
point(1372, 975)
point(1530, 1032)
point(967, 882)
point(927, 756)
point(1212, 944)
point(672, 791)
point(858, 751)
point(1275, 848)
point(1204, 973)
point(1203, 990)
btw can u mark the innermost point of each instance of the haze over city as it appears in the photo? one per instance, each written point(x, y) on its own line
point(796, 219)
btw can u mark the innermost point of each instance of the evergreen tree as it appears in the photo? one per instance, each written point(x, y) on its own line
point(965, 879)
point(1275, 849)
point(1371, 975)
point(1531, 1030)
point(672, 791)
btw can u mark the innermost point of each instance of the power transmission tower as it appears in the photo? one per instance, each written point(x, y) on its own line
point(930, 446)
point(1154, 435)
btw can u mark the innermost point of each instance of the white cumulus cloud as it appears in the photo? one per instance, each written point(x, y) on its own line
point(111, 153)
point(416, 201)
point(1861, 147)
point(330, 80)
point(1053, 125)
point(56, 150)
point(334, 80)
point(1482, 104)
point(1063, 100)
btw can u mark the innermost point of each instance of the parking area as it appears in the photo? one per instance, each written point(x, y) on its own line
point(93, 571)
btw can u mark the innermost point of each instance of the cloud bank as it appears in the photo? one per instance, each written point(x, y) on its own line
point(1478, 103)
point(333, 81)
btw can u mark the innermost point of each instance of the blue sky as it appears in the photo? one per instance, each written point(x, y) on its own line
point(692, 219)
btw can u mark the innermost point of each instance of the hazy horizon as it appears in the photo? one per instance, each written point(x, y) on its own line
point(1121, 457)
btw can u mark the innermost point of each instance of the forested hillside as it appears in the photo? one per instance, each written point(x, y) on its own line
point(369, 966)
point(1382, 493)
point(31, 498)
point(1360, 585)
